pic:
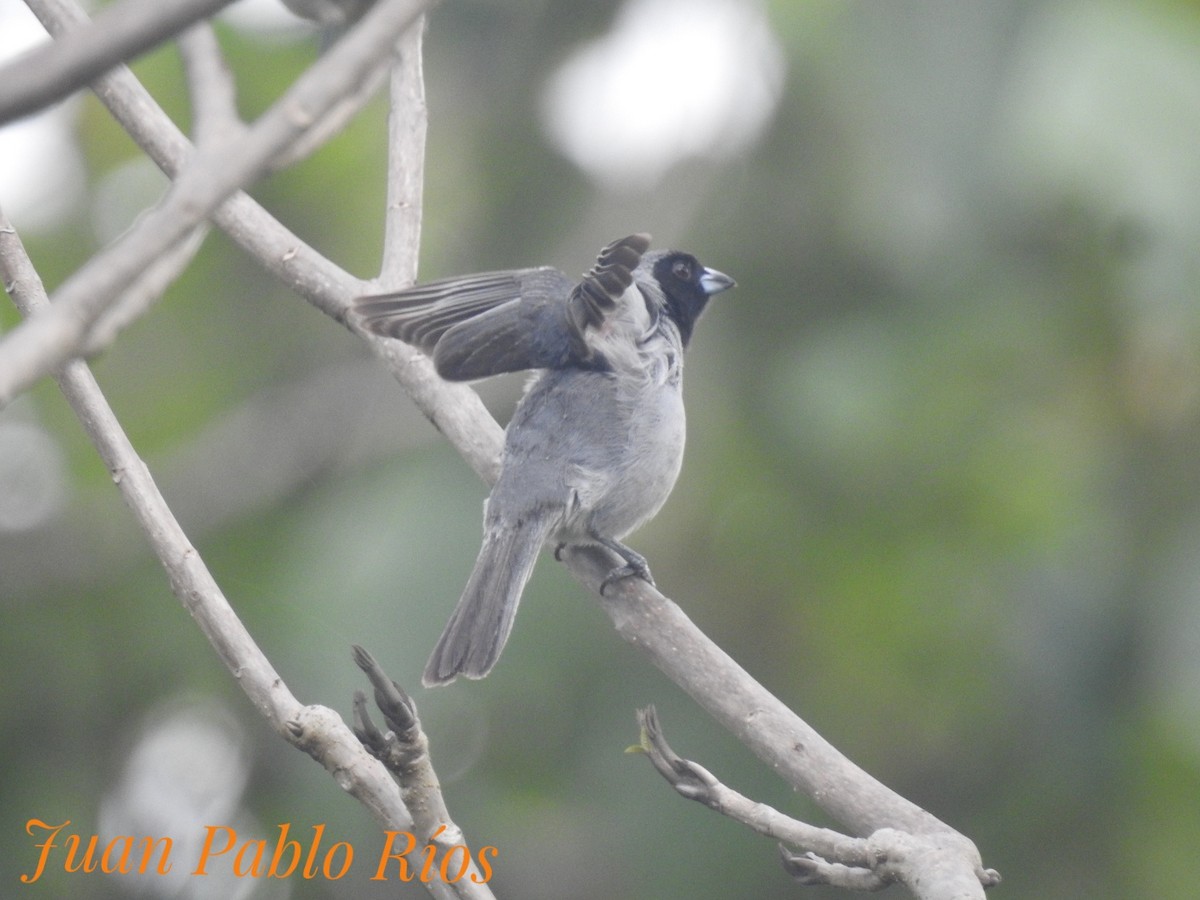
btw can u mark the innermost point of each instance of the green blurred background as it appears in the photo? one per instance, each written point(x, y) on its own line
point(942, 494)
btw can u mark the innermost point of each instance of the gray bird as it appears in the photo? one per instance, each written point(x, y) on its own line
point(596, 442)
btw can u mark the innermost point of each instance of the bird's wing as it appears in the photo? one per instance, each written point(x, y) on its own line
point(476, 326)
point(420, 315)
point(598, 295)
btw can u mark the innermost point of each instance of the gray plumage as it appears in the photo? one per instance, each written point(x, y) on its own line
point(596, 443)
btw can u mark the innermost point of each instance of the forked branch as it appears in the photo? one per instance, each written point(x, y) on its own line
point(815, 855)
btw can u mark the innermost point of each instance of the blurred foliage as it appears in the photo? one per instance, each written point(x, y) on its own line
point(942, 494)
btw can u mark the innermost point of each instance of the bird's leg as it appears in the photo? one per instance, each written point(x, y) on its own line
point(635, 563)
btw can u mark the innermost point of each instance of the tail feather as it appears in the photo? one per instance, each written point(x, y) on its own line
point(483, 619)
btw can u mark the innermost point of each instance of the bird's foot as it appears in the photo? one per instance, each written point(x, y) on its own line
point(635, 565)
point(626, 571)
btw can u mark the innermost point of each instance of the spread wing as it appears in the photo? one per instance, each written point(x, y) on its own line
point(481, 325)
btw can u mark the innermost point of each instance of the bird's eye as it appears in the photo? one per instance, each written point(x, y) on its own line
point(682, 270)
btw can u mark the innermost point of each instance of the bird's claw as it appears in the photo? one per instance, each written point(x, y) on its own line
point(637, 568)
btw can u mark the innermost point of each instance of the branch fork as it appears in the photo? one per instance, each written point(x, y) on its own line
point(813, 855)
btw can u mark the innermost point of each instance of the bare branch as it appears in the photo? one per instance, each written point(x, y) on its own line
point(779, 737)
point(404, 750)
point(695, 782)
point(318, 731)
point(210, 85)
point(215, 119)
point(929, 864)
point(407, 123)
point(55, 335)
point(120, 32)
point(333, 121)
point(787, 744)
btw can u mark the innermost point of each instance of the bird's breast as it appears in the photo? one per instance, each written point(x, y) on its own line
point(604, 448)
point(648, 459)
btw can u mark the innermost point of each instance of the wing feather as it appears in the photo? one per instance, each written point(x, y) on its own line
point(480, 325)
point(420, 315)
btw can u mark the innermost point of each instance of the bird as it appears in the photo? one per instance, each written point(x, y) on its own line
point(595, 444)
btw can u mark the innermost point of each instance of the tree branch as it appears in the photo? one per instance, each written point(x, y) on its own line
point(47, 340)
point(404, 750)
point(693, 781)
point(929, 864)
point(211, 88)
point(780, 738)
point(407, 124)
point(337, 117)
point(120, 32)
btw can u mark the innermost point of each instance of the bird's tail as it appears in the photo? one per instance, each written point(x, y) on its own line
point(483, 618)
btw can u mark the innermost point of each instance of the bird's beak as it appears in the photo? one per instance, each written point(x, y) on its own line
point(713, 282)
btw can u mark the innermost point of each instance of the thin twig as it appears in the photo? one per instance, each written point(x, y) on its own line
point(787, 744)
point(214, 116)
point(120, 32)
point(693, 781)
point(210, 86)
point(333, 121)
